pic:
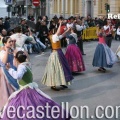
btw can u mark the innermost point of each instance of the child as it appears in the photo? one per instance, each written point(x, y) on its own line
point(29, 95)
point(103, 56)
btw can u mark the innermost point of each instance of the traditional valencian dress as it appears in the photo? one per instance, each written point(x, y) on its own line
point(57, 71)
point(74, 56)
point(103, 56)
point(30, 96)
point(7, 83)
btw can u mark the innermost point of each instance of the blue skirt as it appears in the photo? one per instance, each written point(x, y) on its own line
point(100, 59)
point(8, 77)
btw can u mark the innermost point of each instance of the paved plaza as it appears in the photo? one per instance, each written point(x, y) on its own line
point(90, 88)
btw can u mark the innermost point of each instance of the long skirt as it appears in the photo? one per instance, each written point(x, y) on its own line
point(31, 103)
point(57, 71)
point(7, 83)
point(7, 86)
point(74, 58)
point(101, 56)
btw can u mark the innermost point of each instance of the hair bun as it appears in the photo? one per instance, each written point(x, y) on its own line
point(21, 56)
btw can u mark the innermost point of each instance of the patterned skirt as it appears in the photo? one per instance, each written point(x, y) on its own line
point(74, 58)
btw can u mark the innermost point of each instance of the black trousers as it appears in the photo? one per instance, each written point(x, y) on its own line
point(108, 41)
point(80, 45)
point(63, 42)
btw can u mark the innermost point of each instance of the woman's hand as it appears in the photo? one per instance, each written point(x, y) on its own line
point(6, 48)
point(8, 66)
point(60, 21)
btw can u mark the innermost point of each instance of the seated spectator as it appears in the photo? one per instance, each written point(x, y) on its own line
point(20, 38)
point(31, 44)
point(41, 45)
point(4, 33)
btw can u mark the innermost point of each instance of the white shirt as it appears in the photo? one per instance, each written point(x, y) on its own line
point(69, 25)
point(21, 70)
point(106, 27)
point(80, 27)
point(56, 38)
point(20, 39)
point(118, 31)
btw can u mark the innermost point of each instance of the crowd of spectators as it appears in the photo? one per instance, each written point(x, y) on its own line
point(43, 27)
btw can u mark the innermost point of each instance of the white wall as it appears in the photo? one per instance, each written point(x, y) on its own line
point(3, 12)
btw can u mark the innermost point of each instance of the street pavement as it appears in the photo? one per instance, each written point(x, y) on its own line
point(90, 88)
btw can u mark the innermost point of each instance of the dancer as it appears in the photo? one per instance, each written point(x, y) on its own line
point(103, 56)
point(7, 83)
point(73, 53)
point(57, 72)
point(30, 96)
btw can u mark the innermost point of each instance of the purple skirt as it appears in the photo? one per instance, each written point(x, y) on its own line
point(29, 99)
point(65, 65)
point(74, 58)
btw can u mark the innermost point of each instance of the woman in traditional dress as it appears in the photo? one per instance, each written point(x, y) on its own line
point(57, 72)
point(73, 53)
point(7, 83)
point(29, 96)
point(104, 57)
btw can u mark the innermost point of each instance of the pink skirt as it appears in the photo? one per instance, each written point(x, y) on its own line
point(6, 89)
point(74, 58)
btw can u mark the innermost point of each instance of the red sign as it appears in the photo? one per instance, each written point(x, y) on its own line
point(36, 2)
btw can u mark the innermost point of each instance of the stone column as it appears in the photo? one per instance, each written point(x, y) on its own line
point(71, 7)
point(95, 8)
point(86, 7)
point(66, 6)
point(58, 6)
point(82, 13)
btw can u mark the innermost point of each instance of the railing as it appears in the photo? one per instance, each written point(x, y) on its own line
point(89, 33)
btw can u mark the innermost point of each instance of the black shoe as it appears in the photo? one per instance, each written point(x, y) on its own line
point(104, 69)
point(64, 86)
point(54, 88)
point(83, 54)
point(101, 69)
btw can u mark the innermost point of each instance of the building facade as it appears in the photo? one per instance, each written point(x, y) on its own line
point(94, 8)
point(25, 8)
